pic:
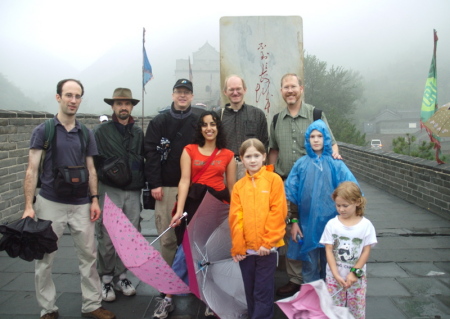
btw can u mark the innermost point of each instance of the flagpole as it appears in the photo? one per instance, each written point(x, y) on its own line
point(143, 63)
point(147, 73)
point(190, 69)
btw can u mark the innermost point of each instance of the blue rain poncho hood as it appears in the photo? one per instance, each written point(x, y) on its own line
point(310, 184)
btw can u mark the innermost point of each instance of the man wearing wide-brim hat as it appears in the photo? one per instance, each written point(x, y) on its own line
point(120, 138)
point(121, 94)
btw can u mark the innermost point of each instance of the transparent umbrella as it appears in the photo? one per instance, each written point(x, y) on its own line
point(213, 276)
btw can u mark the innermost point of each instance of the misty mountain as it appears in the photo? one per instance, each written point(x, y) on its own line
point(36, 74)
point(33, 71)
point(397, 84)
point(12, 98)
point(122, 67)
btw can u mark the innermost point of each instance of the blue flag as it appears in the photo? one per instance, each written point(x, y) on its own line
point(147, 70)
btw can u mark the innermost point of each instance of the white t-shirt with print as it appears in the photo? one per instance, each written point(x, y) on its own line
point(348, 242)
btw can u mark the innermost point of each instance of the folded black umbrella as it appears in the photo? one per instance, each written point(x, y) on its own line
point(28, 239)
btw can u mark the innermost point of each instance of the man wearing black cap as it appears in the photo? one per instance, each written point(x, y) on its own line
point(118, 138)
point(167, 134)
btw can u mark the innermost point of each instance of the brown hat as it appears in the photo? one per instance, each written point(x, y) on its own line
point(121, 94)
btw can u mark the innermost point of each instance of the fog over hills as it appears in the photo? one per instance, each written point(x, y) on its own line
point(395, 80)
point(31, 70)
point(36, 73)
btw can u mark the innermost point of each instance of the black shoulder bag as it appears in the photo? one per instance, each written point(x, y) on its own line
point(70, 181)
point(116, 170)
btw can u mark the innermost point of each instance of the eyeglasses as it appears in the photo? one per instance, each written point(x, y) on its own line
point(182, 92)
point(70, 96)
point(238, 90)
point(290, 87)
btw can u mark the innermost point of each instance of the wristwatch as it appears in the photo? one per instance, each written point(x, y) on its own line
point(358, 272)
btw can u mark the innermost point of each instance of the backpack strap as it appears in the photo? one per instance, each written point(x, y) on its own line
point(83, 142)
point(85, 134)
point(49, 126)
point(317, 114)
point(274, 120)
point(49, 132)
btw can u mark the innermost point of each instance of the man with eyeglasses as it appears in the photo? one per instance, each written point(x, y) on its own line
point(72, 146)
point(167, 135)
point(287, 145)
point(241, 121)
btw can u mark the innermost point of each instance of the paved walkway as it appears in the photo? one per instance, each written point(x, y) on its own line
point(409, 271)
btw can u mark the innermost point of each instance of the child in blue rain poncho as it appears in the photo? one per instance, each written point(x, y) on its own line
point(309, 185)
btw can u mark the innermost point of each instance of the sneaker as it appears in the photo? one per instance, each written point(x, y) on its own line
point(126, 287)
point(163, 308)
point(108, 293)
point(100, 313)
point(51, 315)
point(209, 312)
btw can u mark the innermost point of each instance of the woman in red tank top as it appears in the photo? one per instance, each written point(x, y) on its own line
point(204, 165)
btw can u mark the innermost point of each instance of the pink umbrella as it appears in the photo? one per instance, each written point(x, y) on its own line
point(137, 254)
point(313, 301)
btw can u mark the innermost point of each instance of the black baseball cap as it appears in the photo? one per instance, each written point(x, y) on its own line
point(184, 83)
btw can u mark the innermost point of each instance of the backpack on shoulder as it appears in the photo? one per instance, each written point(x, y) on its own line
point(69, 181)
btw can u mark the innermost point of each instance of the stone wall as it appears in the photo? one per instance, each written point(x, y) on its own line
point(416, 180)
point(15, 132)
point(421, 182)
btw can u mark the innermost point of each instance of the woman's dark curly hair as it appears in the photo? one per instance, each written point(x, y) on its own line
point(200, 139)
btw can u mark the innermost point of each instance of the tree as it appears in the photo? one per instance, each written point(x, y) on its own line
point(337, 92)
point(402, 145)
point(406, 146)
point(348, 132)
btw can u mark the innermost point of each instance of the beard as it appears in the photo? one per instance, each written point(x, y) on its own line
point(123, 115)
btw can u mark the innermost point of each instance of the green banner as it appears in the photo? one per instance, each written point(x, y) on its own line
point(429, 101)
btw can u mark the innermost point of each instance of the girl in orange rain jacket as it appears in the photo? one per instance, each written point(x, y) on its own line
point(258, 211)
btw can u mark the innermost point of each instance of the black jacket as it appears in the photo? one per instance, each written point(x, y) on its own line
point(179, 128)
point(112, 140)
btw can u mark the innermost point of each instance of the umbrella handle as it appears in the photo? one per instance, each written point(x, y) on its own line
point(337, 292)
point(208, 263)
point(168, 228)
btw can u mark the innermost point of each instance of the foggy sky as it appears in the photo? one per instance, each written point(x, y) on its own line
point(358, 35)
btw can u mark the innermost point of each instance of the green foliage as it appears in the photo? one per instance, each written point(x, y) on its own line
point(337, 92)
point(402, 145)
point(345, 131)
point(406, 146)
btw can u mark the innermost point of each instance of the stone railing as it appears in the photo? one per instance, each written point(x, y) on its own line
point(421, 182)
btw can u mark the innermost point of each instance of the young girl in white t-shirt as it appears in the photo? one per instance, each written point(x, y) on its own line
point(348, 239)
